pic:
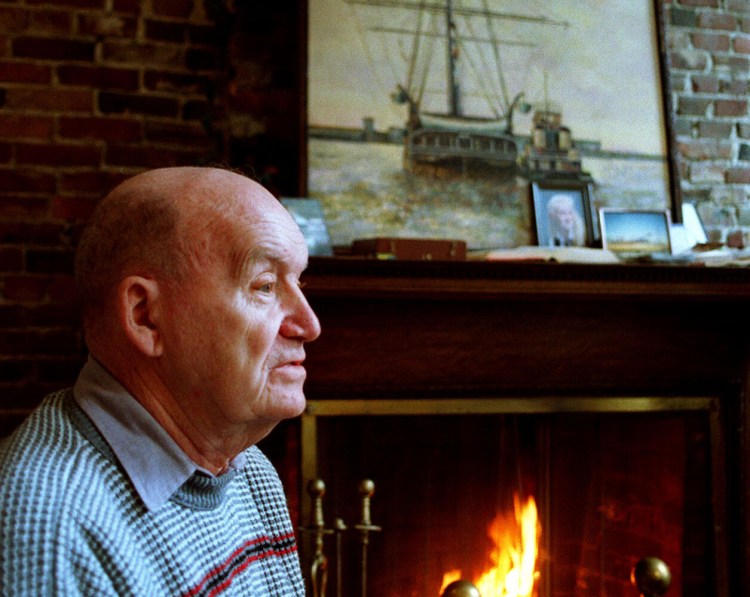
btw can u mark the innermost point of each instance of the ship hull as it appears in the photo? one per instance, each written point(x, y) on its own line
point(431, 151)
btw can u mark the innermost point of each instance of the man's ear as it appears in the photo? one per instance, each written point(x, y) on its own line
point(137, 311)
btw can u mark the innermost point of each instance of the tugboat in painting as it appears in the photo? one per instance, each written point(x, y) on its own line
point(551, 151)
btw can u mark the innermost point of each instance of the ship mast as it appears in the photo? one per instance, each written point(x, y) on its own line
point(454, 92)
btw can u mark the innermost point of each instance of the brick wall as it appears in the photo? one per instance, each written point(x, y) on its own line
point(708, 44)
point(92, 91)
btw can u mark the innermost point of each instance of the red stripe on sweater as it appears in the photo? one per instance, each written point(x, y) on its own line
point(244, 564)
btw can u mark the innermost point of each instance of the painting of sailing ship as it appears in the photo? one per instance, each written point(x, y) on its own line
point(429, 118)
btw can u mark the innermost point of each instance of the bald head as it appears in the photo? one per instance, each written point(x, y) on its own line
point(150, 224)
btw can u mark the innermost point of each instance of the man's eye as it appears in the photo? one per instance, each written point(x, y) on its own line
point(267, 287)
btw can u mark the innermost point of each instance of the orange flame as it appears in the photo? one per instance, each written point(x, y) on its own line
point(513, 571)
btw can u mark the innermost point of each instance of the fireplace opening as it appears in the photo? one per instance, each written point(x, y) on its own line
point(612, 481)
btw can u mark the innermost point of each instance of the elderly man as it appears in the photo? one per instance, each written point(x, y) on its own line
point(144, 479)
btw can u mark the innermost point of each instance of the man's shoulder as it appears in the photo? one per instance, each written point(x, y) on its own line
point(47, 450)
point(46, 429)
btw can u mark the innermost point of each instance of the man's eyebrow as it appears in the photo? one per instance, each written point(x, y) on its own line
point(261, 255)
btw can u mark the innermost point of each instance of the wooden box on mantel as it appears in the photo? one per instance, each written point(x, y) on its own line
point(413, 249)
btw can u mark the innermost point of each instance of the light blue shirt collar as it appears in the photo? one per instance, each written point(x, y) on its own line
point(155, 464)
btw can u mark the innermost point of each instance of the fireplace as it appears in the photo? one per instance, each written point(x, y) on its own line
point(614, 480)
point(611, 395)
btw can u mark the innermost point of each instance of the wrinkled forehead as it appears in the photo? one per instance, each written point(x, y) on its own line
point(249, 232)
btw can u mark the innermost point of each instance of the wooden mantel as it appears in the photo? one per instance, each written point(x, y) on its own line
point(466, 329)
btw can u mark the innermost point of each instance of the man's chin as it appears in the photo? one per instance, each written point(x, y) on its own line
point(287, 404)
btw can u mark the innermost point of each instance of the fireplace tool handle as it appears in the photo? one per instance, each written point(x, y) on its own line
point(319, 568)
point(651, 577)
point(365, 527)
point(339, 528)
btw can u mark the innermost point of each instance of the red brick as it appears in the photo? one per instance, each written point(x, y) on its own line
point(107, 25)
point(99, 77)
point(735, 87)
point(742, 44)
point(705, 83)
point(149, 157)
point(143, 54)
point(29, 181)
point(123, 103)
point(25, 288)
point(58, 155)
point(6, 152)
point(127, 6)
point(11, 259)
point(12, 316)
point(62, 288)
point(53, 315)
point(172, 8)
point(61, 342)
point(73, 208)
point(48, 48)
point(58, 22)
point(13, 207)
point(15, 370)
point(100, 128)
point(715, 20)
point(737, 63)
point(70, 3)
point(692, 106)
point(158, 80)
point(721, 130)
point(713, 3)
point(49, 99)
point(713, 42)
point(198, 59)
point(730, 107)
point(186, 134)
point(738, 176)
point(206, 35)
point(44, 233)
point(166, 31)
point(62, 372)
point(49, 261)
point(97, 182)
point(13, 20)
point(24, 72)
point(30, 127)
point(705, 149)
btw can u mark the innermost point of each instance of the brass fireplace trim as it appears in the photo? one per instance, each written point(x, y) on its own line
point(532, 405)
point(488, 406)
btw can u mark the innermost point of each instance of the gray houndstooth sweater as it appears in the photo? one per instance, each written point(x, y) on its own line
point(72, 524)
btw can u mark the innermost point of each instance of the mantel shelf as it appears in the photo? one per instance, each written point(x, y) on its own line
point(486, 280)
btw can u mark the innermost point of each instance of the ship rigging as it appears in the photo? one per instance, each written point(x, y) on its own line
point(456, 138)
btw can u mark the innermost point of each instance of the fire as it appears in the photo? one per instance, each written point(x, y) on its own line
point(513, 571)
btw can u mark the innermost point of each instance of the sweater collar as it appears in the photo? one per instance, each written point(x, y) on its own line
point(157, 467)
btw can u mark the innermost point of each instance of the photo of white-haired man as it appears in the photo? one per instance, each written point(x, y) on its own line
point(565, 222)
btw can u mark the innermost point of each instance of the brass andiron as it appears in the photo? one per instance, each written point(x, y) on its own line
point(365, 527)
point(461, 588)
point(651, 577)
point(319, 568)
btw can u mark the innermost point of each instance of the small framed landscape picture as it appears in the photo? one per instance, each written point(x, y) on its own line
point(308, 214)
point(562, 213)
point(632, 232)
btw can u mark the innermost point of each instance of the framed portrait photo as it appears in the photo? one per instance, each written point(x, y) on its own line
point(632, 233)
point(562, 213)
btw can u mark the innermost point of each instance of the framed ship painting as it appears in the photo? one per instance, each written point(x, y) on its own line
point(430, 119)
